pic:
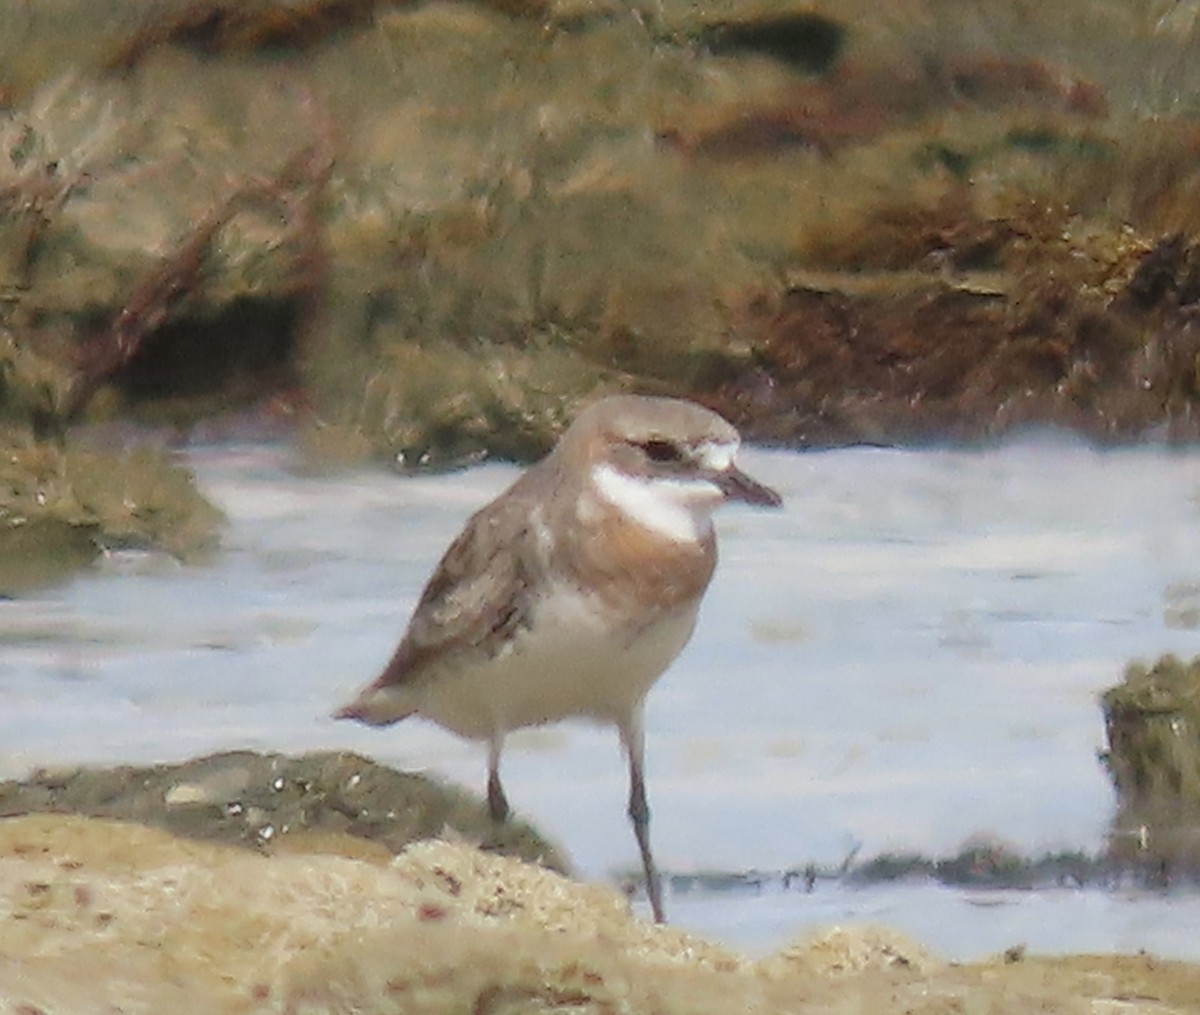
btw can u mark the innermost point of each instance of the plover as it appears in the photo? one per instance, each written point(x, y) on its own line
point(571, 592)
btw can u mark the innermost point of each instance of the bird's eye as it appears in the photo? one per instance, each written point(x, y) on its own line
point(661, 451)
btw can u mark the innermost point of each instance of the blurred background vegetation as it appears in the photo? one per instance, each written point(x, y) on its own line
point(427, 232)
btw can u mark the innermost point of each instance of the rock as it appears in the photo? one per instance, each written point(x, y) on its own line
point(1152, 723)
point(62, 506)
point(323, 802)
point(842, 951)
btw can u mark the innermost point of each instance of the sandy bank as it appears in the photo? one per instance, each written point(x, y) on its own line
point(101, 916)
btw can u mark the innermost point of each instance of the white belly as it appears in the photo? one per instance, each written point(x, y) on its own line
point(570, 662)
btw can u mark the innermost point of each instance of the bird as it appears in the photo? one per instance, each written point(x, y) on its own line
point(572, 592)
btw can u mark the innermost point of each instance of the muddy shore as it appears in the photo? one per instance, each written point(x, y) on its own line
point(347, 915)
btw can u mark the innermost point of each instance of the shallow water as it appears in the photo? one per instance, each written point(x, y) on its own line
point(960, 925)
point(909, 654)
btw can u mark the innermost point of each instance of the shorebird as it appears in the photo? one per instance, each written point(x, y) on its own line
point(571, 592)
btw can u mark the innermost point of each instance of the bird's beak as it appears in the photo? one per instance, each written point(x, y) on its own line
point(736, 485)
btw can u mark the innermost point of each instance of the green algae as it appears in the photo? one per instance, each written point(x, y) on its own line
point(319, 802)
point(39, 553)
point(1152, 718)
point(61, 507)
point(440, 407)
point(1152, 722)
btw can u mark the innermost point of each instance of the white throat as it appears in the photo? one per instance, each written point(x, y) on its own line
point(679, 509)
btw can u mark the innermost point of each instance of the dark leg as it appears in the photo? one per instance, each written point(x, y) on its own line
point(633, 739)
point(497, 802)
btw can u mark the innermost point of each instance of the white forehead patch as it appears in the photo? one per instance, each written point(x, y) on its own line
point(717, 456)
point(676, 508)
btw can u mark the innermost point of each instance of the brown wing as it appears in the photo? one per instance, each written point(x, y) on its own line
point(476, 599)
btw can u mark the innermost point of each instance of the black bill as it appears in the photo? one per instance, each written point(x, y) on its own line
point(736, 485)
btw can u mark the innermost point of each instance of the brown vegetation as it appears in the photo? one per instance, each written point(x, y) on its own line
point(834, 224)
point(294, 192)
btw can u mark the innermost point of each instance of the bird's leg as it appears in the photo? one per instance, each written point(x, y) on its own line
point(497, 801)
point(634, 741)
